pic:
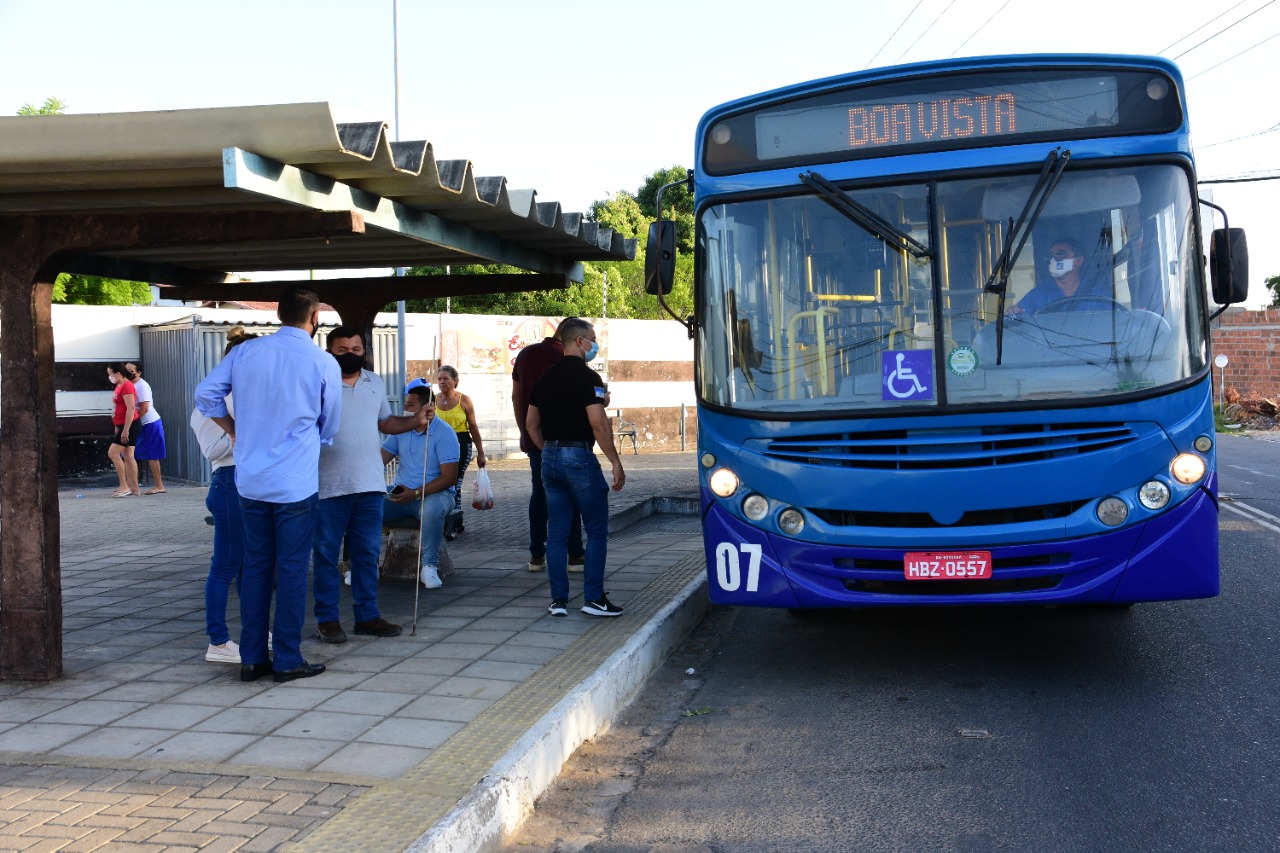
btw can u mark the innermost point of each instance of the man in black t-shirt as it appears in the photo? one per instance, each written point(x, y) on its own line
point(566, 415)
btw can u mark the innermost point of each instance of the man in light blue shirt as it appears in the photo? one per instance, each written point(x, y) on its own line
point(288, 398)
point(425, 480)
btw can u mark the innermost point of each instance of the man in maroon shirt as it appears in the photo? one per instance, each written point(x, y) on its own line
point(530, 364)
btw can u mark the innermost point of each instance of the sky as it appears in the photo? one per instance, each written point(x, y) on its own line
point(581, 99)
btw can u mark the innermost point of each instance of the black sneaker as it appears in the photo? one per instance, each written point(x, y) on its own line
point(558, 608)
point(602, 606)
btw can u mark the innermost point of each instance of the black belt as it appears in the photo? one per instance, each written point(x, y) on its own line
point(585, 445)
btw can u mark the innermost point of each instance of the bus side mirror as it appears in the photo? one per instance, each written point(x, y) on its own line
point(1229, 266)
point(660, 258)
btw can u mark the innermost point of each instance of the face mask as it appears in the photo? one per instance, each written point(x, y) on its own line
point(350, 363)
point(1058, 269)
point(111, 377)
point(590, 354)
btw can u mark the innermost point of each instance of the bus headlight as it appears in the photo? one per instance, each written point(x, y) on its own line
point(791, 521)
point(755, 507)
point(708, 459)
point(1154, 494)
point(724, 482)
point(1204, 444)
point(1112, 511)
point(1187, 468)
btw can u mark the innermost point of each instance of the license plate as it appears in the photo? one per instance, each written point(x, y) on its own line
point(946, 565)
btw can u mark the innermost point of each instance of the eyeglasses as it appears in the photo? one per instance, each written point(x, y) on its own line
point(1062, 255)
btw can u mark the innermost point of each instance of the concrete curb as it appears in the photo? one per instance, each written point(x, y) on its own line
point(497, 805)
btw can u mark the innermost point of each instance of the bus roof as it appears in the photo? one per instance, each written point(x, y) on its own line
point(890, 73)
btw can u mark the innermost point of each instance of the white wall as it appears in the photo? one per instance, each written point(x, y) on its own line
point(109, 333)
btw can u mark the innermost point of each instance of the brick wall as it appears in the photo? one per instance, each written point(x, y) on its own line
point(1249, 340)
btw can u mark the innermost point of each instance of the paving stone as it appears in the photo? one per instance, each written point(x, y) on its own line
point(134, 671)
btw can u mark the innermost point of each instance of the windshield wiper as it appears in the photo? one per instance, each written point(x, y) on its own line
point(998, 281)
point(870, 221)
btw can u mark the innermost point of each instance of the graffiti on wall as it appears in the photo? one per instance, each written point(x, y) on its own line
point(486, 344)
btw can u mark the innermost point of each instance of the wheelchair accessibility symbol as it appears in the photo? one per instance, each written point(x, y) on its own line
point(907, 375)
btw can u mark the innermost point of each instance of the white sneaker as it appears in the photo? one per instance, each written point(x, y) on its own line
point(346, 578)
point(228, 652)
point(431, 577)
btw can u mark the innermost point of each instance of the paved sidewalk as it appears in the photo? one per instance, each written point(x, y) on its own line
point(429, 742)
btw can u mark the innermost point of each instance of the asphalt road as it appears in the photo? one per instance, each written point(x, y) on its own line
point(960, 730)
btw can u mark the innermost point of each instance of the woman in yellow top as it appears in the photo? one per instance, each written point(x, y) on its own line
point(455, 409)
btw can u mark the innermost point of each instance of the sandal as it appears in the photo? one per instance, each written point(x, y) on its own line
point(122, 495)
point(154, 491)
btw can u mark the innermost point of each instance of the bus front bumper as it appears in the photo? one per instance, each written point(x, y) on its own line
point(1172, 556)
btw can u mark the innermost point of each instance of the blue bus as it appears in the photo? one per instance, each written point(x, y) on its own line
point(952, 337)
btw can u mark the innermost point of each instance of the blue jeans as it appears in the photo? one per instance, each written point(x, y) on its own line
point(538, 515)
point(575, 483)
point(431, 533)
point(277, 545)
point(228, 551)
point(358, 519)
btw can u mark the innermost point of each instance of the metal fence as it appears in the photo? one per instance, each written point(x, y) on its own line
point(178, 354)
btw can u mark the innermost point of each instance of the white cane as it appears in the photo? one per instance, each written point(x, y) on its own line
point(422, 505)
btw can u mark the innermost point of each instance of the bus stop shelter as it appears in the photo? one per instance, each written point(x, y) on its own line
point(187, 197)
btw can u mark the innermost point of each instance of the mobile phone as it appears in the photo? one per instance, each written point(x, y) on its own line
point(398, 489)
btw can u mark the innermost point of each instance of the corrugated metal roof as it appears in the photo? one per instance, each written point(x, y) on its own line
point(290, 157)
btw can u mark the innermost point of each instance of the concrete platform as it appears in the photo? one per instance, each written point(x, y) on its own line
point(434, 742)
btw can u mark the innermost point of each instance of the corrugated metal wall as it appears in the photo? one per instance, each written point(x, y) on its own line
point(177, 355)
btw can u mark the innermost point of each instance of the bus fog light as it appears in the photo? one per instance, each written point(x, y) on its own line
point(1154, 494)
point(1204, 444)
point(708, 460)
point(754, 507)
point(724, 482)
point(791, 521)
point(1112, 511)
point(1187, 468)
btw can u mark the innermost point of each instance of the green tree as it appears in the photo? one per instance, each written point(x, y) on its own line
point(623, 214)
point(1273, 284)
point(92, 290)
point(52, 107)
point(677, 203)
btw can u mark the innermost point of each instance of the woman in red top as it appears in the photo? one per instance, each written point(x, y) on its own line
point(125, 431)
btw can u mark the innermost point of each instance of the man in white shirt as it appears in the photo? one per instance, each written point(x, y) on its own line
point(352, 486)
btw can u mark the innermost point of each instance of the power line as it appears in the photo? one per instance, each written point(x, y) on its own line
point(984, 26)
point(1224, 29)
point(1200, 27)
point(931, 23)
point(1243, 179)
point(895, 32)
point(1235, 56)
point(1271, 129)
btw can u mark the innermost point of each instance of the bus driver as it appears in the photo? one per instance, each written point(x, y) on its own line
point(1065, 263)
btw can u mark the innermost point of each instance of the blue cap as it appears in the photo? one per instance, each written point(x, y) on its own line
point(416, 383)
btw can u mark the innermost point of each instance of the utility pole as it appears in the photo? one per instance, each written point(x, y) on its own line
point(402, 349)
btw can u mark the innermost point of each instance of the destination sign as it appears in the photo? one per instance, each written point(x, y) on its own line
point(958, 114)
point(990, 108)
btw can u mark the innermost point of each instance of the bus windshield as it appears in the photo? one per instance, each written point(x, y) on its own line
point(803, 310)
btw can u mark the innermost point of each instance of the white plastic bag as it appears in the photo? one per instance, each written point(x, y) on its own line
point(483, 498)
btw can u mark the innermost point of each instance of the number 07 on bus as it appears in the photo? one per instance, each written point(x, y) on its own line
point(952, 337)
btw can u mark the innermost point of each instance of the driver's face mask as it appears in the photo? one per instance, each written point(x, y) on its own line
point(1061, 264)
